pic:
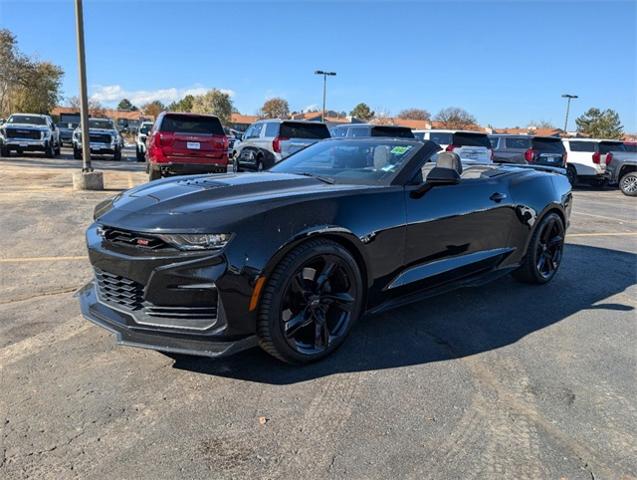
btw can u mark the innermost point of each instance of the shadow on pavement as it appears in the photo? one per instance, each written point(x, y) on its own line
point(457, 324)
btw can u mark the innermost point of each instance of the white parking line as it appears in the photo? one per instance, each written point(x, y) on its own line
point(41, 259)
point(604, 217)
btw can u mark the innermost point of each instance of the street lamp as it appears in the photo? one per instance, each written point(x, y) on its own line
point(325, 75)
point(568, 107)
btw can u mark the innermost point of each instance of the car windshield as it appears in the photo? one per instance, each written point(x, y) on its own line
point(100, 123)
point(27, 119)
point(365, 162)
point(145, 128)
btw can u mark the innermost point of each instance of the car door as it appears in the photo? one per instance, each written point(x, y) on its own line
point(454, 231)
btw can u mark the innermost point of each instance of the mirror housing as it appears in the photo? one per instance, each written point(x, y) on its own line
point(442, 176)
point(437, 176)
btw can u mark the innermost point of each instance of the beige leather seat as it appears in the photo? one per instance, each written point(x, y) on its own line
point(381, 157)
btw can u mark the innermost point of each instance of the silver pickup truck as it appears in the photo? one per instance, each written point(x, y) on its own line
point(29, 132)
point(621, 165)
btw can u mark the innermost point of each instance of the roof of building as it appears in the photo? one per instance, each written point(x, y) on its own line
point(109, 113)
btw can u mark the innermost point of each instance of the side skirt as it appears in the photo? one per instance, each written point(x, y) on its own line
point(474, 280)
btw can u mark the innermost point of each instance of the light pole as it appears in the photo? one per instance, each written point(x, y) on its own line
point(81, 64)
point(325, 75)
point(568, 107)
point(87, 179)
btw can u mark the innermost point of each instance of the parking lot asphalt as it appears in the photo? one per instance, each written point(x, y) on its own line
point(502, 381)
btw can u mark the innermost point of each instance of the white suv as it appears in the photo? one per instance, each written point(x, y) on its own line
point(472, 147)
point(586, 160)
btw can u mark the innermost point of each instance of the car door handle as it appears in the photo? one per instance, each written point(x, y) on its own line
point(497, 197)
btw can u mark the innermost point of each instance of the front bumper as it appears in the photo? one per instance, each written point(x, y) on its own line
point(127, 333)
point(105, 148)
point(26, 144)
point(165, 299)
point(176, 168)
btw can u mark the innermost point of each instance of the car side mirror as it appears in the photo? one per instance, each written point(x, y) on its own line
point(436, 177)
point(442, 176)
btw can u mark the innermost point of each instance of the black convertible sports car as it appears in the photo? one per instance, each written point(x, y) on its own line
point(290, 258)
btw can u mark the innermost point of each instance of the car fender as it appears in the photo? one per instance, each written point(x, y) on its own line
point(337, 233)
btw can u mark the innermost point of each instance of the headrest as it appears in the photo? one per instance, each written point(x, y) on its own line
point(449, 160)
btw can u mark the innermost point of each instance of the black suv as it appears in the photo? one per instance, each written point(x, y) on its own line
point(368, 130)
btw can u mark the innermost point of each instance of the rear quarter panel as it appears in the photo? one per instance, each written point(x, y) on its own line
point(534, 193)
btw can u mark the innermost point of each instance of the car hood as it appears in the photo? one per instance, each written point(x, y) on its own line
point(221, 197)
point(25, 126)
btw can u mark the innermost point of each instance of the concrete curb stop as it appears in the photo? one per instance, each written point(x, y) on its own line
point(88, 181)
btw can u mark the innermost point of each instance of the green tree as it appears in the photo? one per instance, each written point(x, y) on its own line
point(454, 117)
point(126, 105)
point(183, 105)
point(41, 91)
point(275, 108)
point(26, 84)
point(153, 109)
point(214, 102)
point(415, 114)
point(600, 123)
point(362, 111)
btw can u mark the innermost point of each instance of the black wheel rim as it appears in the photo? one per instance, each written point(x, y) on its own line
point(318, 304)
point(629, 183)
point(549, 248)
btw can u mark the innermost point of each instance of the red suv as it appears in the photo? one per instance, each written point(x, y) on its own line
point(186, 143)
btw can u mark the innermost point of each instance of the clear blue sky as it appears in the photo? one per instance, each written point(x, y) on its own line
point(505, 62)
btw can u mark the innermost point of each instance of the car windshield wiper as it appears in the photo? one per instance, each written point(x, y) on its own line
point(319, 177)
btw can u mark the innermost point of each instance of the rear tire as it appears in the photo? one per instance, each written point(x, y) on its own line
point(154, 174)
point(310, 302)
point(628, 184)
point(544, 254)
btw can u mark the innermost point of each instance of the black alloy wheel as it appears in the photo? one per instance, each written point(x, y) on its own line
point(545, 251)
point(310, 303)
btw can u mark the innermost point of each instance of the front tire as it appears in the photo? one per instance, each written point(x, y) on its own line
point(628, 184)
point(49, 151)
point(4, 151)
point(117, 156)
point(544, 254)
point(77, 153)
point(140, 155)
point(310, 302)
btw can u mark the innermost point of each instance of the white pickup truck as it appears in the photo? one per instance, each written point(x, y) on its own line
point(29, 132)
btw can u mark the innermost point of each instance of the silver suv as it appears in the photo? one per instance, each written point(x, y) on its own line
point(267, 142)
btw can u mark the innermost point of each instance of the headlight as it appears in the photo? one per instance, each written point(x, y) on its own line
point(45, 134)
point(197, 241)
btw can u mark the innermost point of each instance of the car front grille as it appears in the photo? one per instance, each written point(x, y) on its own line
point(17, 133)
point(127, 238)
point(128, 295)
point(119, 291)
point(100, 138)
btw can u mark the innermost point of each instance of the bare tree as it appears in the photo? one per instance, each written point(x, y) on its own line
point(454, 117)
point(95, 108)
point(415, 114)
